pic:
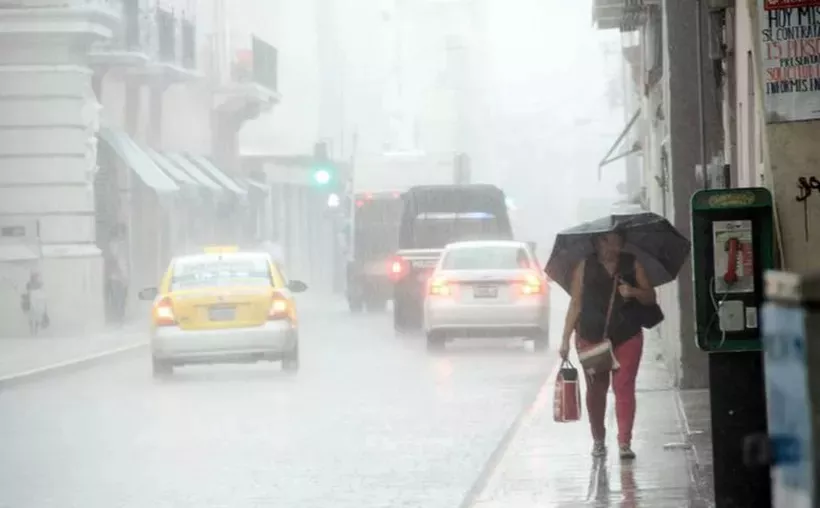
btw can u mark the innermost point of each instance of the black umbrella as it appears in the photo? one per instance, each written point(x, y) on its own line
point(659, 247)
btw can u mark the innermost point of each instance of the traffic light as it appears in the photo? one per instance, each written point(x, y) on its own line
point(323, 173)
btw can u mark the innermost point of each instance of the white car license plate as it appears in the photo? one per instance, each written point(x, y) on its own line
point(485, 291)
point(222, 313)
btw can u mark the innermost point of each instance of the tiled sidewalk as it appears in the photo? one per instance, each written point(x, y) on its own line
point(548, 464)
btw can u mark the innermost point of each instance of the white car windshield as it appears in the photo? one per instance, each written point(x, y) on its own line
point(491, 257)
point(190, 274)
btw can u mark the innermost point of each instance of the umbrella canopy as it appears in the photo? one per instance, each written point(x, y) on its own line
point(658, 245)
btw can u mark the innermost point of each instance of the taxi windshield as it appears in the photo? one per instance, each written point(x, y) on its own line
point(220, 272)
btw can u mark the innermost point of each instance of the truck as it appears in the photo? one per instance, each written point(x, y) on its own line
point(432, 217)
point(374, 239)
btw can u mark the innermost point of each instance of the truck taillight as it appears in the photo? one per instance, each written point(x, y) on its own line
point(532, 285)
point(397, 268)
point(440, 287)
point(164, 313)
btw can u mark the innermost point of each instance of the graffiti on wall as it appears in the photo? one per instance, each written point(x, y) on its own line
point(805, 187)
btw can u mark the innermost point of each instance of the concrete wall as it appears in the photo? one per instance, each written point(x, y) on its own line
point(682, 111)
point(790, 151)
point(747, 106)
point(48, 120)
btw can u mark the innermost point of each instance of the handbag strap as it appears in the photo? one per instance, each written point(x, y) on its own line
point(615, 279)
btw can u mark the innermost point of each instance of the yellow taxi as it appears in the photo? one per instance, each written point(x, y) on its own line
point(223, 306)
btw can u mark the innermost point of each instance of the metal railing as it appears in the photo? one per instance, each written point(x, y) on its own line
point(166, 36)
point(163, 35)
point(188, 44)
point(132, 31)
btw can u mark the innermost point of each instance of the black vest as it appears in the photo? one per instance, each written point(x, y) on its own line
point(597, 284)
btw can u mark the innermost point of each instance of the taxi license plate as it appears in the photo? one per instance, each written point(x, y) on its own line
point(222, 313)
point(485, 291)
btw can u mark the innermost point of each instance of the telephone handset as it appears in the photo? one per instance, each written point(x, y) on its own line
point(734, 274)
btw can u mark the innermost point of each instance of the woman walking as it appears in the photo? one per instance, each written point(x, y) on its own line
point(607, 290)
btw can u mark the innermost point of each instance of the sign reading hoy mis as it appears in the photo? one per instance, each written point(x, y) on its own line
point(771, 5)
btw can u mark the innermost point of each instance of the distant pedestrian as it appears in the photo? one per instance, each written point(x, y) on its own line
point(34, 304)
point(118, 273)
point(608, 289)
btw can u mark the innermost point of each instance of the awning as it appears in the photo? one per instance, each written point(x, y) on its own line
point(193, 171)
point(172, 169)
point(609, 158)
point(136, 159)
point(217, 174)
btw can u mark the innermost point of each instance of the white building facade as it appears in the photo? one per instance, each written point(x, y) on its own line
point(95, 97)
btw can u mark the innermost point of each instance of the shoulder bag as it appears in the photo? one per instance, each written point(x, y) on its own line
point(600, 357)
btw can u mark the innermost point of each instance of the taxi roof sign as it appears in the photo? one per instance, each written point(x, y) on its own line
point(221, 249)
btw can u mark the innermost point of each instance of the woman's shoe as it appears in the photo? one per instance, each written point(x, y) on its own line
point(599, 449)
point(626, 452)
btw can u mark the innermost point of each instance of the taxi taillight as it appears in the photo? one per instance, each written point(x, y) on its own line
point(280, 308)
point(164, 313)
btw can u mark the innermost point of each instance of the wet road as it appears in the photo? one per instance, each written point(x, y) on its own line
point(371, 420)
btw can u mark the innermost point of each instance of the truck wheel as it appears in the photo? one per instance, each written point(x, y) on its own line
point(376, 305)
point(399, 316)
point(355, 305)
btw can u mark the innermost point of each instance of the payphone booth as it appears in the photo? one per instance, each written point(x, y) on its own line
point(732, 246)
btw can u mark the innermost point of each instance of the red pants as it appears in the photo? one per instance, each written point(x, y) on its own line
point(628, 355)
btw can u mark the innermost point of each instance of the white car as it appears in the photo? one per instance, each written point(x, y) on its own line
point(487, 289)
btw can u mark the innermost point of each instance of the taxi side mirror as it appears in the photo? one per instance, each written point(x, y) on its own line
point(148, 294)
point(297, 286)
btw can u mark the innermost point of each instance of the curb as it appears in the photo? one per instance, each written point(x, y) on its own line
point(696, 474)
point(67, 366)
point(497, 456)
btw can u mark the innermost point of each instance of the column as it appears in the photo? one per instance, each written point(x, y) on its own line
point(49, 116)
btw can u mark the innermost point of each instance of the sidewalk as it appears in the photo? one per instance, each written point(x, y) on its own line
point(26, 356)
point(548, 464)
point(19, 356)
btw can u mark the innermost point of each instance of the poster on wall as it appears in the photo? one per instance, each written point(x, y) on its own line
point(790, 53)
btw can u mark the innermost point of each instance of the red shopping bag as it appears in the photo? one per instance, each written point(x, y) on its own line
point(567, 400)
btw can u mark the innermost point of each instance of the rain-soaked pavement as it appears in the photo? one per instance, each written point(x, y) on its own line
point(371, 420)
point(548, 464)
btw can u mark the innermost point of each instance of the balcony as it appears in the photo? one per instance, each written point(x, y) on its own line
point(253, 80)
point(626, 15)
point(154, 44)
point(64, 22)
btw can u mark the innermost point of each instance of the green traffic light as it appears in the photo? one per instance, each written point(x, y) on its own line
point(321, 176)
